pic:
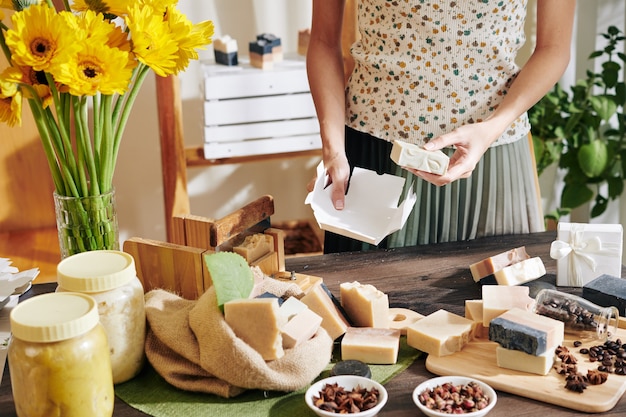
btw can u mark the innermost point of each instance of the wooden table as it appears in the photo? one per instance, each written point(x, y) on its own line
point(424, 279)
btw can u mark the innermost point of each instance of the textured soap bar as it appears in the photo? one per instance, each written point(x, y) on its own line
point(520, 272)
point(371, 345)
point(365, 305)
point(255, 246)
point(319, 302)
point(607, 290)
point(499, 298)
point(526, 331)
point(440, 333)
point(474, 312)
point(495, 263)
point(520, 361)
point(412, 156)
point(257, 322)
point(300, 328)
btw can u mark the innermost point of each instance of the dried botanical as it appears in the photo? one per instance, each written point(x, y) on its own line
point(454, 399)
point(576, 382)
point(596, 377)
point(336, 399)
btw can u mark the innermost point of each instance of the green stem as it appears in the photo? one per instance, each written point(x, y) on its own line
point(125, 108)
point(107, 163)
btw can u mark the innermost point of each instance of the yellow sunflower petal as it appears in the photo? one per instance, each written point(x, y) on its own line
point(11, 110)
point(115, 7)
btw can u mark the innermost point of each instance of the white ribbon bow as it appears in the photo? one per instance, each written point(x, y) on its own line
point(581, 250)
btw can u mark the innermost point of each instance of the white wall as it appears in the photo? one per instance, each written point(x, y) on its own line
point(215, 191)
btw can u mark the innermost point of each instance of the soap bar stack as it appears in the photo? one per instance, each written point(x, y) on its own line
point(225, 50)
point(370, 338)
point(265, 51)
point(512, 267)
point(527, 340)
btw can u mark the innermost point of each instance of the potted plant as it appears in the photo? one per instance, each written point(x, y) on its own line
point(583, 131)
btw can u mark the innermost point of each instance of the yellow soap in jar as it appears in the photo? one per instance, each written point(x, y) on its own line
point(59, 358)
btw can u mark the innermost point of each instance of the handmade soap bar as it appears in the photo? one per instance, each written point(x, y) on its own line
point(586, 251)
point(607, 290)
point(526, 331)
point(257, 322)
point(371, 345)
point(300, 328)
point(474, 312)
point(412, 156)
point(225, 49)
point(401, 318)
point(365, 305)
point(255, 246)
point(292, 307)
point(497, 299)
point(521, 272)
point(332, 320)
point(440, 333)
point(495, 263)
point(520, 361)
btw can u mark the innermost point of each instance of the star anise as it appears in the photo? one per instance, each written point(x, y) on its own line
point(576, 382)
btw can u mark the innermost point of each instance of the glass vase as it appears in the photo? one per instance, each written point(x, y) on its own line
point(86, 223)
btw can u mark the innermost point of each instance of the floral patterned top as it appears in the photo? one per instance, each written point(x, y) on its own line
point(425, 67)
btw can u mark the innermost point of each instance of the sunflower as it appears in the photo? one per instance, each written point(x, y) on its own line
point(39, 37)
point(95, 27)
point(189, 37)
point(96, 68)
point(153, 43)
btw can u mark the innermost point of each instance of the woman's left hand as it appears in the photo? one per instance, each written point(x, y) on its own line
point(470, 141)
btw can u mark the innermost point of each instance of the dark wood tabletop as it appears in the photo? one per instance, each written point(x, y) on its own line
point(421, 278)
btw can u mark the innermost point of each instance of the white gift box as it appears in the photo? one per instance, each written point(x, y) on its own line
point(371, 209)
point(585, 251)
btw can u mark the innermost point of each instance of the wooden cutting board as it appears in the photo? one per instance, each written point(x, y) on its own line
point(478, 360)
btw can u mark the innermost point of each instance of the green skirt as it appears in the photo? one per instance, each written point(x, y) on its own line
point(501, 197)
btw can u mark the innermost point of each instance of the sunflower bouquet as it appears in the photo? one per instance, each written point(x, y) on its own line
point(79, 66)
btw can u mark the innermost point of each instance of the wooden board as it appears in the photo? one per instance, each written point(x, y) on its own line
point(478, 360)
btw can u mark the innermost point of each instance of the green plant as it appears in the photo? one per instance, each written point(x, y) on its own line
point(583, 130)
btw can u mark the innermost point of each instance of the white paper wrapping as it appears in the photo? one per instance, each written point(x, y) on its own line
point(585, 251)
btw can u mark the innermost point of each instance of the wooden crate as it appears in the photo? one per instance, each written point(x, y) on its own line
point(250, 111)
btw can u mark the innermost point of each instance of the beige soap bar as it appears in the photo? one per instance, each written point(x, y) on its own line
point(255, 246)
point(495, 263)
point(300, 328)
point(365, 305)
point(371, 345)
point(522, 361)
point(412, 156)
point(498, 299)
point(401, 318)
point(320, 303)
point(440, 333)
point(474, 312)
point(257, 322)
point(521, 272)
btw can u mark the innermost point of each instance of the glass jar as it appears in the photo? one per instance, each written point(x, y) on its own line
point(582, 318)
point(109, 276)
point(59, 358)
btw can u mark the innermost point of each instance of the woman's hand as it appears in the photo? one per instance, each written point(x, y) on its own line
point(470, 141)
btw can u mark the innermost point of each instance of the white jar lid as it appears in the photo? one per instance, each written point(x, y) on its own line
point(96, 271)
point(54, 317)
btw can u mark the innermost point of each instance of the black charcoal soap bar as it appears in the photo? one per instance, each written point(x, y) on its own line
point(607, 290)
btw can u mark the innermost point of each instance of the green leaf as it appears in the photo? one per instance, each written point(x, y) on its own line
point(593, 158)
point(231, 276)
point(604, 105)
point(600, 206)
point(616, 187)
point(575, 195)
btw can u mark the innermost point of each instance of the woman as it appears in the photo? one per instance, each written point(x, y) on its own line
point(441, 74)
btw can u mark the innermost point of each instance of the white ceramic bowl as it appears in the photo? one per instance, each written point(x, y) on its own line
point(348, 382)
point(455, 380)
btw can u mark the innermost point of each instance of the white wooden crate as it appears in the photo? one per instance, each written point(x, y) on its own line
point(250, 111)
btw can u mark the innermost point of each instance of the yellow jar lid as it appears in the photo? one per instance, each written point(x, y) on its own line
point(96, 271)
point(54, 317)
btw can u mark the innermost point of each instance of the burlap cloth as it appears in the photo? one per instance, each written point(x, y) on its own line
point(190, 345)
